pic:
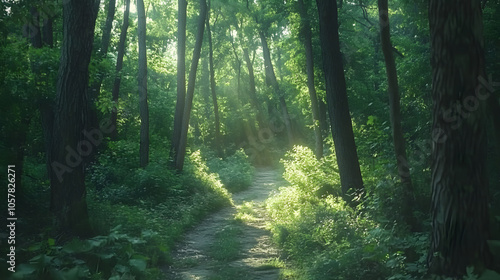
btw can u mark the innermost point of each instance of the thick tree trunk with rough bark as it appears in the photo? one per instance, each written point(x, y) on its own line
point(459, 207)
point(273, 83)
point(336, 93)
point(119, 65)
point(69, 143)
point(143, 85)
point(179, 162)
point(307, 41)
point(395, 114)
point(181, 79)
point(218, 143)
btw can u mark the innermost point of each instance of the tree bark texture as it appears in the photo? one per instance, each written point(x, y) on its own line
point(336, 93)
point(179, 163)
point(69, 146)
point(143, 85)
point(459, 206)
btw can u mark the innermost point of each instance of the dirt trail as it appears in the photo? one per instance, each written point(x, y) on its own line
point(193, 258)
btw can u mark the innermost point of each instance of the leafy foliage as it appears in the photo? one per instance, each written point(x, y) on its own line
point(327, 239)
point(114, 256)
point(235, 171)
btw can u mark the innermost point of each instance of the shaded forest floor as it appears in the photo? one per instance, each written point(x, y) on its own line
point(233, 242)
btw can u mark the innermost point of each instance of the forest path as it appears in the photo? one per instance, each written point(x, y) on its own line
point(222, 247)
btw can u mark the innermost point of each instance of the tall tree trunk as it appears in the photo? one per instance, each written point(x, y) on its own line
point(272, 82)
point(143, 85)
point(95, 88)
point(253, 90)
point(338, 105)
point(218, 143)
point(181, 79)
point(238, 62)
point(395, 114)
point(307, 41)
point(179, 164)
point(35, 33)
point(459, 207)
point(119, 65)
point(106, 31)
point(69, 145)
point(204, 86)
point(323, 121)
point(48, 31)
point(106, 38)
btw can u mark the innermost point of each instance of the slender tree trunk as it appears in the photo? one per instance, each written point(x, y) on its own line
point(35, 33)
point(179, 164)
point(204, 86)
point(48, 31)
point(459, 206)
point(338, 105)
point(323, 121)
point(253, 90)
point(106, 38)
point(238, 62)
point(106, 32)
point(95, 88)
point(181, 79)
point(119, 65)
point(69, 145)
point(143, 85)
point(395, 114)
point(218, 143)
point(307, 40)
point(272, 82)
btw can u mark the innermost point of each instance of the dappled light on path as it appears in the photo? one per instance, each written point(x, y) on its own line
point(233, 242)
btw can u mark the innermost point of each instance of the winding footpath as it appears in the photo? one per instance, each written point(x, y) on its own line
point(193, 258)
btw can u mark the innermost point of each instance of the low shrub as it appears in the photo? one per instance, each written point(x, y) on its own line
point(326, 239)
point(235, 171)
point(138, 215)
point(113, 256)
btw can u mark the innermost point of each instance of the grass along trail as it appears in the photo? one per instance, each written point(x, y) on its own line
point(232, 243)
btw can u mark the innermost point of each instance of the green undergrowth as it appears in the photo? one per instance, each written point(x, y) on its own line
point(137, 216)
point(235, 171)
point(324, 238)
